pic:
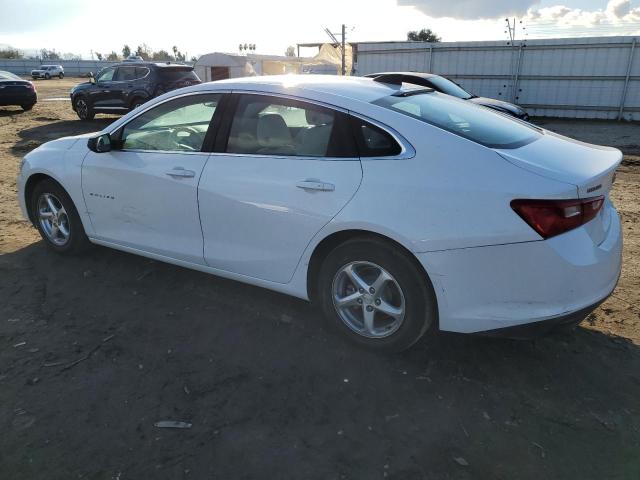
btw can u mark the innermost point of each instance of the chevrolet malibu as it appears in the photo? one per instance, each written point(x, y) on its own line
point(398, 209)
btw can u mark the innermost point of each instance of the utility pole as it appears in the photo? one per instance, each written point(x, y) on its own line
point(341, 44)
point(344, 66)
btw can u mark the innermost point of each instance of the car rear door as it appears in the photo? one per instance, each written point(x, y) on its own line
point(281, 171)
point(143, 195)
point(123, 84)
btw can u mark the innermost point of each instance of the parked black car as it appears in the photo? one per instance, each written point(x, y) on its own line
point(16, 91)
point(125, 86)
point(444, 85)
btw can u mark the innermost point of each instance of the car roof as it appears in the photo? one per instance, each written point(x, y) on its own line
point(357, 88)
point(150, 64)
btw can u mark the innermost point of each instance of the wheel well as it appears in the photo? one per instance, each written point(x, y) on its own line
point(135, 98)
point(334, 240)
point(32, 181)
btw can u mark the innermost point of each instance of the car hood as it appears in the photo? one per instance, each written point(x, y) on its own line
point(567, 160)
point(498, 104)
point(66, 143)
point(82, 86)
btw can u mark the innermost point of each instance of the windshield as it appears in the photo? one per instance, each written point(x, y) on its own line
point(178, 75)
point(479, 124)
point(450, 88)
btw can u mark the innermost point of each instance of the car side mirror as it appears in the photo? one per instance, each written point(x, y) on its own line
point(92, 79)
point(100, 144)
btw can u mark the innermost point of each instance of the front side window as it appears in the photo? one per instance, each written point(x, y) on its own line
point(478, 124)
point(267, 125)
point(105, 75)
point(178, 125)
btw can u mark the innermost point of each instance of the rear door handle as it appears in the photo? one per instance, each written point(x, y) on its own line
point(316, 185)
point(180, 172)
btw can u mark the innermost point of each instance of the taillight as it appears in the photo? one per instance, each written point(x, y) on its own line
point(32, 86)
point(553, 217)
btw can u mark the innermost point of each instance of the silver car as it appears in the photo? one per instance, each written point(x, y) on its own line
point(48, 71)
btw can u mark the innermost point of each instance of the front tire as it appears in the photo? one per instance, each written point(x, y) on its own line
point(83, 109)
point(47, 76)
point(376, 295)
point(27, 107)
point(61, 76)
point(57, 219)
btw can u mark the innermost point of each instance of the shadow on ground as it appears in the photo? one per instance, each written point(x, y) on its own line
point(98, 348)
point(33, 137)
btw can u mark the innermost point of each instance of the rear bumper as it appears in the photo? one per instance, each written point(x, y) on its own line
point(486, 289)
point(27, 98)
point(537, 329)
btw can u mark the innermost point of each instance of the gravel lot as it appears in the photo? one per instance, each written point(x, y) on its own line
point(95, 350)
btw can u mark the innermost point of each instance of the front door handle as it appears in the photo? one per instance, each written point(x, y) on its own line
point(316, 185)
point(180, 172)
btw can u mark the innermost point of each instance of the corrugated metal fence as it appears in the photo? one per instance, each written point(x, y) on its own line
point(72, 68)
point(572, 77)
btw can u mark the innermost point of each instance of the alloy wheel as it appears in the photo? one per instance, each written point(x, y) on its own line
point(53, 219)
point(368, 299)
point(82, 108)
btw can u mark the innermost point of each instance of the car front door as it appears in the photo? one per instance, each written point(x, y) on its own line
point(101, 95)
point(288, 167)
point(143, 195)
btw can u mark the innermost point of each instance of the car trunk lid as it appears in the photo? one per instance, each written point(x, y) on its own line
point(590, 168)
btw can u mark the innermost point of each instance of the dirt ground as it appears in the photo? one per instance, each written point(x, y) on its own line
point(95, 350)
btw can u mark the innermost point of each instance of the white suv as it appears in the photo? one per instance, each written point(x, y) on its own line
point(48, 71)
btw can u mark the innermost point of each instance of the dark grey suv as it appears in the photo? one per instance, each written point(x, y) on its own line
point(123, 87)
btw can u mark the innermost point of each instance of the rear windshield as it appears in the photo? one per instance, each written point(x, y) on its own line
point(8, 76)
point(177, 74)
point(479, 124)
point(449, 87)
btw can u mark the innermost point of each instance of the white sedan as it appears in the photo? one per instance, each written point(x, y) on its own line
point(398, 209)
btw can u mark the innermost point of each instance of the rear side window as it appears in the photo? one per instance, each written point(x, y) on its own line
point(174, 74)
point(265, 125)
point(126, 73)
point(141, 72)
point(372, 141)
point(478, 124)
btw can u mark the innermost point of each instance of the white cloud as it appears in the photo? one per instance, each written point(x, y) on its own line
point(470, 9)
point(616, 12)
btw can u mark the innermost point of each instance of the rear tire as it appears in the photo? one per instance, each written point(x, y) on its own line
point(83, 109)
point(47, 76)
point(57, 219)
point(61, 76)
point(27, 107)
point(390, 319)
point(136, 102)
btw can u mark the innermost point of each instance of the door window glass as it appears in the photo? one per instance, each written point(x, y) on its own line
point(126, 73)
point(265, 125)
point(141, 72)
point(106, 75)
point(373, 141)
point(178, 125)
